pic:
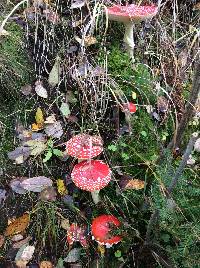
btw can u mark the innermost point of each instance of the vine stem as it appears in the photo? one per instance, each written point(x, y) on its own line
point(10, 14)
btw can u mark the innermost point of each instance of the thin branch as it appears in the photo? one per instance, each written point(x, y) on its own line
point(183, 162)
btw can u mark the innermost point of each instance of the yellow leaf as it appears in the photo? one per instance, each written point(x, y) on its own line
point(18, 225)
point(36, 127)
point(101, 249)
point(134, 95)
point(135, 184)
point(39, 116)
point(61, 187)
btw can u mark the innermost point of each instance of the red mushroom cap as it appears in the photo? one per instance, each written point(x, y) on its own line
point(131, 13)
point(84, 146)
point(91, 176)
point(102, 227)
point(130, 106)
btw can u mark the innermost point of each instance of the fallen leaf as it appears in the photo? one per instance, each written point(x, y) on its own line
point(26, 90)
point(40, 90)
point(89, 40)
point(101, 249)
point(36, 184)
point(21, 264)
point(20, 243)
point(36, 147)
point(18, 225)
point(2, 239)
point(54, 130)
point(46, 264)
point(61, 187)
point(39, 116)
point(65, 110)
point(50, 119)
point(77, 4)
point(54, 75)
point(73, 255)
point(15, 185)
point(65, 224)
point(17, 237)
point(20, 154)
point(135, 184)
point(25, 253)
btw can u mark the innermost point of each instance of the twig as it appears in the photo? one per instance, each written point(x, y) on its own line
point(189, 109)
point(183, 163)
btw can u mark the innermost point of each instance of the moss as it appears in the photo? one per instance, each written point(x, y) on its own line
point(15, 67)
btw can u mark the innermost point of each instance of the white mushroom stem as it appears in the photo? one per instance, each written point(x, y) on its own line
point(95, 196)
point(128, 38)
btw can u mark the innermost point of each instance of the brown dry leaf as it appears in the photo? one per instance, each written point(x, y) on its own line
point(135, 184)
point(21, 264)
point(18, 225)
point(65, 224)
point(197, 6)
point(2, 239)
point(89, 40)
point(50, 119)
point(46, 264)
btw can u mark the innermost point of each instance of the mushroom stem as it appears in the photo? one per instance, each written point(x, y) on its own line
point(95, 196)
point(128, 38)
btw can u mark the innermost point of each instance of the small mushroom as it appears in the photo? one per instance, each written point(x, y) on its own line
point(129, 107)
point(84, 146)
point(102, 228)
point(91, 176)
point(129, 15)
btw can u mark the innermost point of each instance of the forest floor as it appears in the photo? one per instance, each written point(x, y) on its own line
point(65, 73)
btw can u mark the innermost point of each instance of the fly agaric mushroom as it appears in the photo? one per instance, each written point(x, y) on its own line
point(130, 107)
point(84, 146)
point(102, 228)
point(91, 176)
point(129, 15)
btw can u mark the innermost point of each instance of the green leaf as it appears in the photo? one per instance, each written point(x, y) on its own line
point(54, 75)
point(118, 254)
point(125, 156)
point(64, 108)
point(112, 147)
point(143, 133)
point(47, 156)
point(57, 152)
